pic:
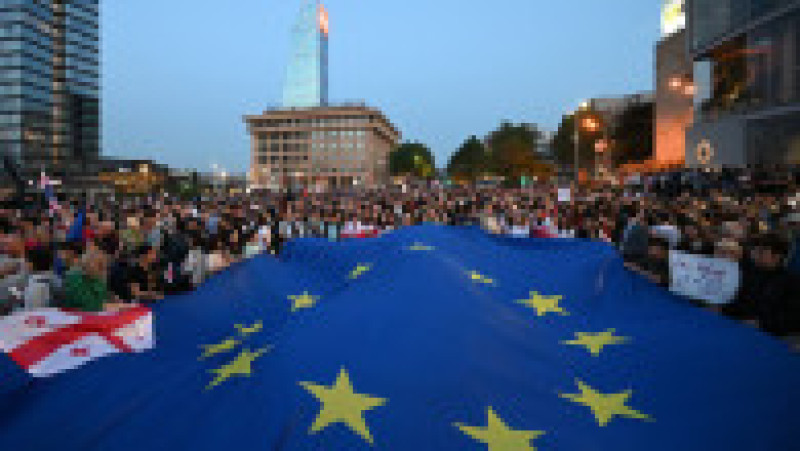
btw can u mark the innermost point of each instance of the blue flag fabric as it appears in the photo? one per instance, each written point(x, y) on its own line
point(426, 338)
point(75, 232)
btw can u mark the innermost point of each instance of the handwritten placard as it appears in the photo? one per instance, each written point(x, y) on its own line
point(714, 280)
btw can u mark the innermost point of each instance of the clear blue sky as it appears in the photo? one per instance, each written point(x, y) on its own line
point(178, 75)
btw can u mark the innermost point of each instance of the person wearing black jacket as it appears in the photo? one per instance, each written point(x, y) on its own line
point(145, 277)
point(174, 250)
point(771, 292)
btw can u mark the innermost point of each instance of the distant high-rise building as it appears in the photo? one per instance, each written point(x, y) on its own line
point(50, 85)
point(306, 82)
point(308, 142)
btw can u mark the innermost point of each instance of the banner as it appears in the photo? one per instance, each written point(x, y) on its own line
point(714, 280)
point(564, 194)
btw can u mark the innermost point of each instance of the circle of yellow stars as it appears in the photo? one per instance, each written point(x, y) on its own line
point(360, 270)
point(240, 366)
point(420, 247)
point(544, 304)
point(479, 278)
point(595, 342)
point(303, 301)
point(497, 435)
point(605, 406)
point(342, 404)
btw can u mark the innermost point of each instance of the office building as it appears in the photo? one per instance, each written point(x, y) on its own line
point(50, 86)
point(746, 56)
point(324, 147)
point(308, 142)
point(674, 87)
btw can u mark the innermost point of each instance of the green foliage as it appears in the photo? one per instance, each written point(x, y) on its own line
point(414, 159)
point(564, 144)
point(470, 161)
point(633, 134)
point(512, 151)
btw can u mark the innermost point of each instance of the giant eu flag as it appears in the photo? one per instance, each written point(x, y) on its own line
point(427, 338)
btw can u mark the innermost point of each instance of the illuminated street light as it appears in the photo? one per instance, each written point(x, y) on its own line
point(590, 124)
point(584, 105)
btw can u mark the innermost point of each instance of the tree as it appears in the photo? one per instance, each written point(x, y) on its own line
point(414, 159)
point(633, 134)
point(564, 144)
point(512, 150)
point(470, 160)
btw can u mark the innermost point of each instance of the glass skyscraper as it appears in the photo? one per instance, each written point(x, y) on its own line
point(306, 82)
point(50, 85)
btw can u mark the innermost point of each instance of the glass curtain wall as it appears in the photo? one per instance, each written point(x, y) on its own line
point(307, 71)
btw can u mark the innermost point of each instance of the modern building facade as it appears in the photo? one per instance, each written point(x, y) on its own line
point(308, 142)
point(50, 86)
point(306, 83)
point(324, 147)
point(746, 56)
point(674, 99)
point(674, 86)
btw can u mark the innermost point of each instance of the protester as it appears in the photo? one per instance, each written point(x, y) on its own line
point(772, 291)
point(143, 247)
point(41, 284)
point(85, 287)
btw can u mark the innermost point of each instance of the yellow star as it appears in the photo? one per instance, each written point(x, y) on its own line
point(421, 247)
point(212, 350)
point(245, 331)
point(595, 342)
point(240, 366)
point(360, 270)
point(544, 304)
point(605, 406)
point(498, 436)
point(479, 278)
point(340, 404)
point(305, 300)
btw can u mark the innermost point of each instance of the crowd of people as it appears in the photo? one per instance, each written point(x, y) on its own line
point(105, 252)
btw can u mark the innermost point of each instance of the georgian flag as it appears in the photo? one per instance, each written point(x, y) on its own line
point(50, 341)
point(358, 230)
point(46, 185)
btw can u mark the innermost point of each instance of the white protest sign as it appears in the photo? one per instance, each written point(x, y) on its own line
point(564, 194)
point(714, 280)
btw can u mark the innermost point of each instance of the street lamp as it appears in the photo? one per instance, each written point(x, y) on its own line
point(589, 122)
point(577, 136)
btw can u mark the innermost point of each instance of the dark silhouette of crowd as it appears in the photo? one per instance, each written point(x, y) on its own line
point(105, 252)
